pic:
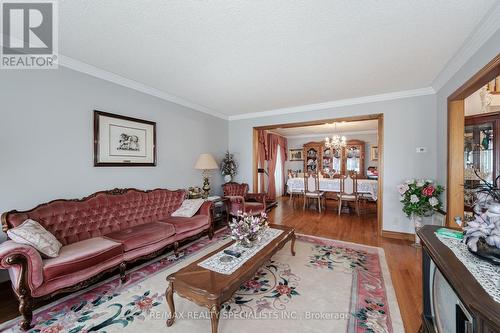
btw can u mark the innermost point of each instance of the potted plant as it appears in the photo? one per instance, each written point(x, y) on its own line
point(420, 198)
point(228, 167)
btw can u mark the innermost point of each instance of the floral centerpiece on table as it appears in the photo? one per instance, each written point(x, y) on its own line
point(247, 229)
point(486, 226)
point(420, 198)
point(482, 235)
point(228, 167)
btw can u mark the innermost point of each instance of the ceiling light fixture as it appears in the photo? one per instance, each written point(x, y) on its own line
point(336, 142)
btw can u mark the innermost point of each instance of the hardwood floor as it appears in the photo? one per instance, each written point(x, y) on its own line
point(403, 260)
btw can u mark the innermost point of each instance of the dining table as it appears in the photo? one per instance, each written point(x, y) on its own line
point(365, 186)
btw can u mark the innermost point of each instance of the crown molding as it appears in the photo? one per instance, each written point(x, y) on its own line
point(488, 26)
point(85, 68)
point(337, 103)
point(323, 135)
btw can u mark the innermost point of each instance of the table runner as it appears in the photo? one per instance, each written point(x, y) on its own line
point(488, 275)
point(214, 264)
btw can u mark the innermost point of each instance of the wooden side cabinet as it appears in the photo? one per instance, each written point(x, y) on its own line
point(453, 300)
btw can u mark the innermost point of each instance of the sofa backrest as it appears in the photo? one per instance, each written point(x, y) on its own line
point(71, 221)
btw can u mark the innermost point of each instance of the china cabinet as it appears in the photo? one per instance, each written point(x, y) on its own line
point(481, 145)
point(313, 154)
point(354, 157)
point(332, 161)
point(481, 154)
point(329, 161)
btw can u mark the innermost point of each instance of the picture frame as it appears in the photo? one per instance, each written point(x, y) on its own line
point(123, 141)
point(374, 153)
point(295, 154)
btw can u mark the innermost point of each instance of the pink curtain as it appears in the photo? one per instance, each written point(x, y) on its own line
point(273, 141)
point(262, 154)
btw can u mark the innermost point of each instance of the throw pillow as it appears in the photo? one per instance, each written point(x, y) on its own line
point(32, 233)
point(188, 208)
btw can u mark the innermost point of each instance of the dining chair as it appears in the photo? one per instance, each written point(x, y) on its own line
point(348, 191)
point(295, 193)
point(312, 191)
point(366, 199)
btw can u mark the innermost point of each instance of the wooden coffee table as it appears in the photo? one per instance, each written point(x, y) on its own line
point(211, 289)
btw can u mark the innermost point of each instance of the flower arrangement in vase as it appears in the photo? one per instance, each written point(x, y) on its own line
point(247, 229)
point(420, 198)
point(228, 167)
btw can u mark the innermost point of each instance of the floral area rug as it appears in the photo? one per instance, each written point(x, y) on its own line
point(329, 286)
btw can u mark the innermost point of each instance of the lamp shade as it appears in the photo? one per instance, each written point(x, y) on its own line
point(206, 162)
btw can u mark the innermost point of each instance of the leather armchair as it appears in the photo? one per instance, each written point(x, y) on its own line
point(242, 201)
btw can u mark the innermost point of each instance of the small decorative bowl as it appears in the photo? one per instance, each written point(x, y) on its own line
point(226, 259)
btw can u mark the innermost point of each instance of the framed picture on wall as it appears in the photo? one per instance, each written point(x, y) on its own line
point(295, 154)
point(374, 153)
point(123, 141)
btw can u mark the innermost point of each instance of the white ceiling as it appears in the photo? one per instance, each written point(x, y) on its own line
point(236, 57)
point(327, 129)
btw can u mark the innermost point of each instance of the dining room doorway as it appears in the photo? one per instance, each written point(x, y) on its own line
point(330, 148)
point(463, 167)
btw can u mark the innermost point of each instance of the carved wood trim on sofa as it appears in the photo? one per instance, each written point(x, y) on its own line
point(24, 292)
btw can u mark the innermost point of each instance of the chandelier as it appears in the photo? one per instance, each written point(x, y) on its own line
point(336, 142)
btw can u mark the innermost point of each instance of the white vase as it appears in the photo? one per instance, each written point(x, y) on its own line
point(228, 178)
point(417, 224)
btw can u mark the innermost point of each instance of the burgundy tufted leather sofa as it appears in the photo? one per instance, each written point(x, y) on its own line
point(99, 233)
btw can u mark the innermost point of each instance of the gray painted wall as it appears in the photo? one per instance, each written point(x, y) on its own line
point(485, 54)
point(408, 123)
point(46, 130)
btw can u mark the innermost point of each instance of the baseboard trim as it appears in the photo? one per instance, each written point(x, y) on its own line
point(398, 235)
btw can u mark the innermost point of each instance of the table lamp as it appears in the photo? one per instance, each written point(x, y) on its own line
point(206, 162)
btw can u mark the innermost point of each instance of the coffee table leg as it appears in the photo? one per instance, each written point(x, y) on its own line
point(169, 294)
point(214, 316)
point(293, 244)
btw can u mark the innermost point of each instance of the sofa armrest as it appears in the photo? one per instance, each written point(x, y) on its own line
point(24, 264)
point(259, 197)
point(205, 209)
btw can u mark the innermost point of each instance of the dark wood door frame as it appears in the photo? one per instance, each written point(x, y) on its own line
point(456, 127)
point(380, 142)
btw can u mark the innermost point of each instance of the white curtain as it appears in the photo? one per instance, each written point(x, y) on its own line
point(278, 173)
